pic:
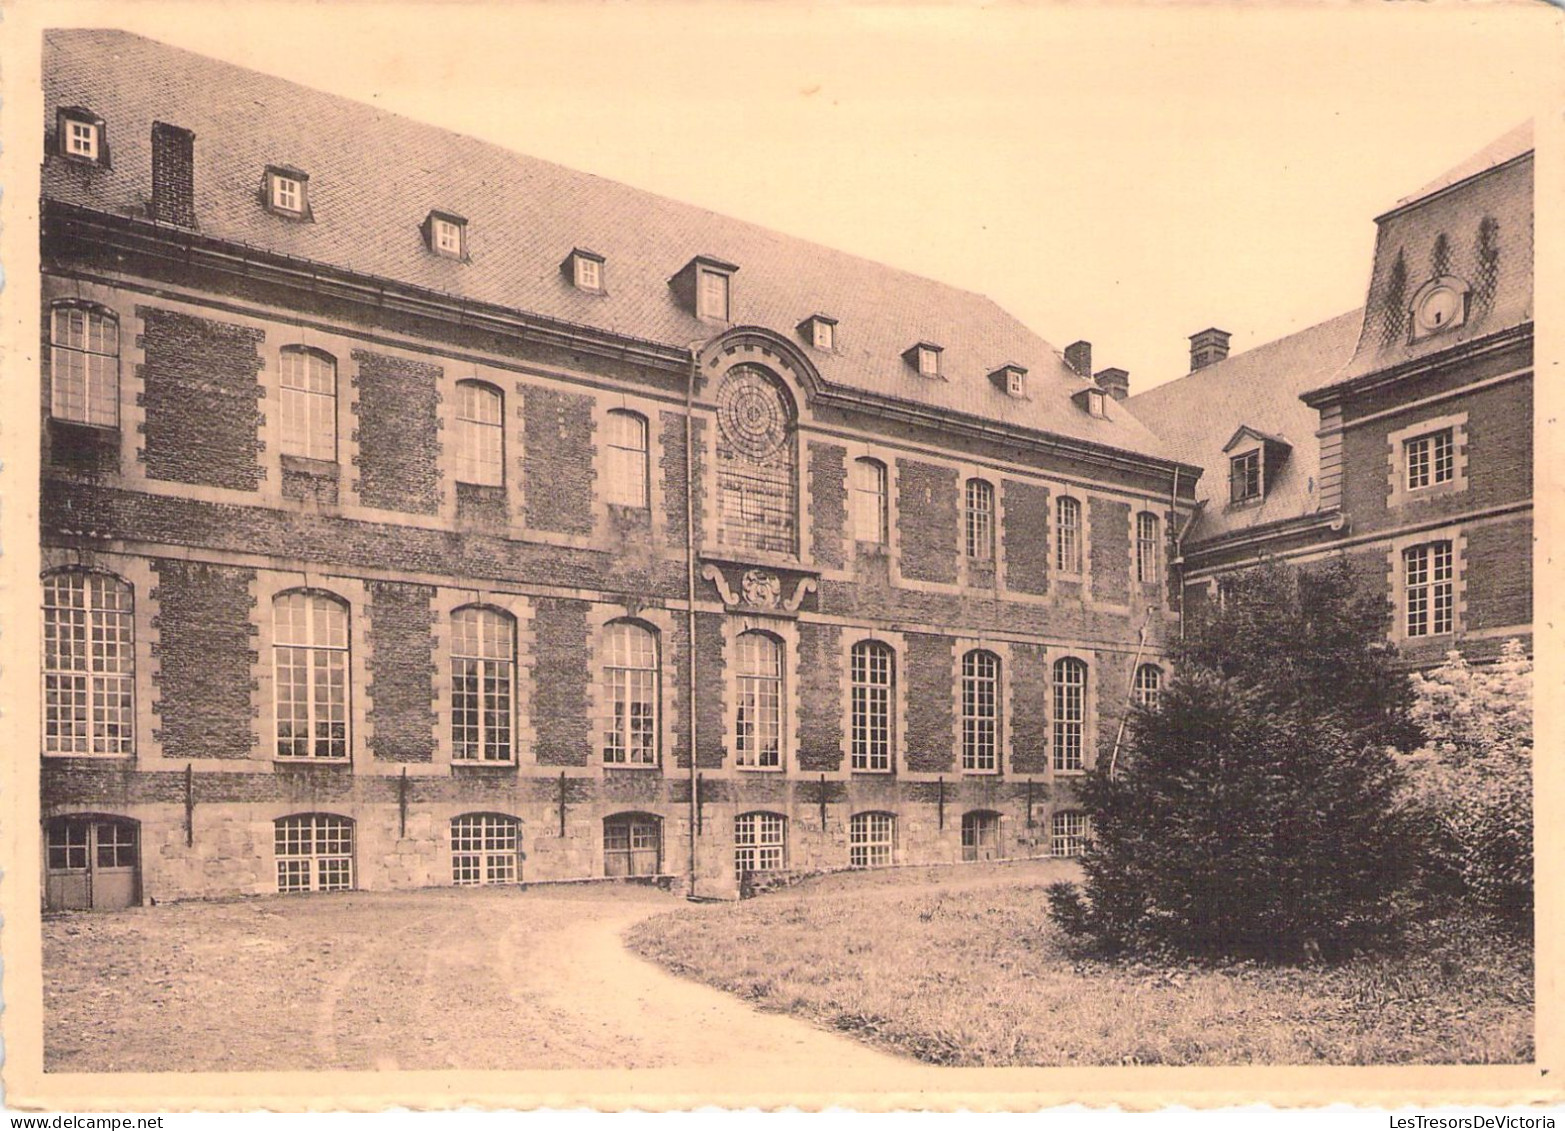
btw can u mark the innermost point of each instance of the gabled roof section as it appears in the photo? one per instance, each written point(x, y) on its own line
point(1473, 224)
point(1200, 415)
point(373, 173)
point(1245, 431)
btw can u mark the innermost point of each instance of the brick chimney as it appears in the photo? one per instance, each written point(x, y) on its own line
point(1078, 355)
point(173, 175)
point(1114, 382)
point(1208, 347)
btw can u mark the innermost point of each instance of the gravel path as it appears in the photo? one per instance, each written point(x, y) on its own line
point(471, 979)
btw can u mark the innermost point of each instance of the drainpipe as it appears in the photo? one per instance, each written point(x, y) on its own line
point(690, 593)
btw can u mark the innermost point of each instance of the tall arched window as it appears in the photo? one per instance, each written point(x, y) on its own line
point(626, 443)
point(314, 852)
point(872, 679)
point(870, 518)
point(758, 730)
point(485, 849)
point(756, 456)
point(1149, 686)
point(480, 434)
point(1070, 713)
point(84, 365)
point(1147, 545)
point(980, 520)
point(630, 676)
point(310, 652)
point(88, 664)
point(483, 676)
point(760, 843)
point(308, 420)
point(980, 712)
point(1067, 535)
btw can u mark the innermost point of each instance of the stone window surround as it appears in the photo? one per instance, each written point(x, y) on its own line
point(1089, 726)
point(1398, 493)
point(1397, 584)
point(898, 645)
point(962, 645)
point(786, 632)
point(662, 623)
point(519, 608)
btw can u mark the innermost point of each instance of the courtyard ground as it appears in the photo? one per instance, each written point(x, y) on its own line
point(963, 967)
point(488, 978)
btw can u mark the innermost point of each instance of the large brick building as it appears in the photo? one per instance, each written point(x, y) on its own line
point(414, 512)
point(1399, 435)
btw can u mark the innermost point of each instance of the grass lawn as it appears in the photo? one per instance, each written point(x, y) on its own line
point(962, 967)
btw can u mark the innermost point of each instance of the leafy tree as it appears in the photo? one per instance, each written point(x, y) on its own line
point(1472, 782)
point(1255, 811)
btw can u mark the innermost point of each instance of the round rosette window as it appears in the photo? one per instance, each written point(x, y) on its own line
point(752, 413)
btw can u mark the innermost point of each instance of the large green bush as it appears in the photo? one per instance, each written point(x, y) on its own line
point(1471, 784)
point(1255, 812)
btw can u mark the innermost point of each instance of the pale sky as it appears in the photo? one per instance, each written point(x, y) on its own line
point(1124, 174)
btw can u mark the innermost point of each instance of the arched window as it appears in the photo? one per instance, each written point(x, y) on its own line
point(1067, 535)
point(756, 457)
point(630, 671)
point(758, 731)
point(626, 443)
point(84, 365)
point(480, 434)
point(632, 845)
point(483, 676)
point(314, 852)
point(309, 403)
point(980, 520)
point(485, 849)
point(1149, 686)
point(88, 664)
point(871, 838)
point(760, 843)
point(872, 678)
point(1070, 713)
point(980, 712)
point(1430, 588)
point(1069, 833)
point(1147, 544)
point(870, 517)
point(310, 652)
point(981, 835)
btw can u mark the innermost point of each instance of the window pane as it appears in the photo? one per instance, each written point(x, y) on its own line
point(84, 366)
point(626, 449)
point(871, 687)
point(980, 520)
point(88, 664)
point(631, 687)
point(869, 501)
point(480, 435)
point(1070, 692)
point(310, 663)
point(1067, 536)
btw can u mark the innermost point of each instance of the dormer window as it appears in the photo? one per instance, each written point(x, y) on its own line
point(1439, 305)
point(584, 269)
point(446, 234)
point(1244, 477)
point(820, 331)
point(1093, 401)
point(1010, 379)
point(287, 192)
point(703, 288)
point(82, 135)
point(925, 358)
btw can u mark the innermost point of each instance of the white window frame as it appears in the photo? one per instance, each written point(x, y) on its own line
point(84, 364)
point(1149, 538)
point(322, 853)
point(447, 237)
point(586, 272)
point(872, 707)
point(319, 659)
point(480, 434)
point(483, 671)
point(630, 737)
point(982, 696)
point(823, 335)
point(872, 839)
point(84, 144)
point(760, 843)
point(714, 298)
point(871, 486)
point(628, 448)
point(928, 361)
point(1068, 551)
point(1429, 589)
point(760, 705)
point(485, 849)
point(978, 518)
point(1068, 832)
point(89, 664)
point(1147, 690)
point(281, 188)
point(307, 397)
point(1403, 446)
point(1068, 720)
point(1244, 460)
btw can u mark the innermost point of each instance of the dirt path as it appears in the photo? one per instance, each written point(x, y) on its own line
point(471, 979)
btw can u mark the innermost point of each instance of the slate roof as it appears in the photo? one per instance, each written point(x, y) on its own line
point(374, 176)
point(1197, 415)
point(1474, 223)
